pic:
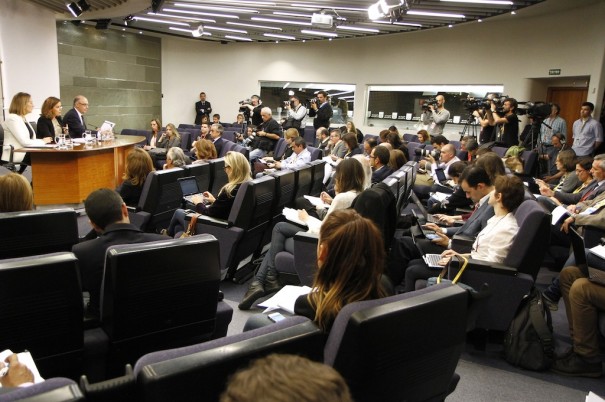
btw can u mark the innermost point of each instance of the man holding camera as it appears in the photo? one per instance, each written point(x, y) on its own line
point(267, 134)
point(295, 115)
point(252, 110)
point(436, 116)
point(321, 110)
point(507, 127)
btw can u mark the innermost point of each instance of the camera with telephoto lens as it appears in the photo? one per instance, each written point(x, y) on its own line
point(245, 102)
point(428, 102)
point(536, 110)
point(435, 153)
point(286, 103)
point(472, 104)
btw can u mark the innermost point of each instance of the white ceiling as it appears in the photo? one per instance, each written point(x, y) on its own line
point(282, 20)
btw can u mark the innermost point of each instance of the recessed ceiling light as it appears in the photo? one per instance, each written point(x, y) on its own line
point(241, 24)
point(292, 14)
point(182, 17)
point(407, 24)
point(174, 10)
point(433, 14)
point(213, 8)
point(160, 21)
point(226, 29)
point(188, 31)
point(270, 35)
point(238, 38)
point(360, 29)
point(319, 33)
point(277, 21)
point(493, 2)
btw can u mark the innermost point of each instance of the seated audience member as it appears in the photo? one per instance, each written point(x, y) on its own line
point(323, 140)
point(367, 170)
point(379, 161)
point(566, 164)
point(156, 127)
point(285, 378)
point(15, 193)
point(457, 198)
point(394, 130)
point(350, 264)
point(267, 135)
point(338, 151)
point(423, 184)
point(493, 242)
point(246, 138)
point(588, 184)
point(300, 156)
point(269, 162)
point(584, 300)
point(395, 140)
point(368, 145)
point(478, 186)
point(238, 172)
point(175, 157)
point(138, 166)
point(396, 158)
point(349, 182)
point(108, 216)
point(239, 120)
point(350, 127)
point(383, 135)
point(170, 138)
point(216, 136)
point(17, 374)
point(204, 151)
point(50, 123)
point(547, 155)
point(19, 133)
point(216, 119)
point(351, 145)
point(424, 137)
point(205, 120)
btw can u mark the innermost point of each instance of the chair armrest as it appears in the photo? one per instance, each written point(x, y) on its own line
point(208, 220)
point(487, 266)
point(462, 244)
point(592, 235)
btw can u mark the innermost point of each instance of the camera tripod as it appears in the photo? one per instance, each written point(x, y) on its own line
point(470, 127)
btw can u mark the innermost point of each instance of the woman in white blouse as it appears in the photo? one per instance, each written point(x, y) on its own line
point(18, 132)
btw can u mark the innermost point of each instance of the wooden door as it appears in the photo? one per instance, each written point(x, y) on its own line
point(570, 99)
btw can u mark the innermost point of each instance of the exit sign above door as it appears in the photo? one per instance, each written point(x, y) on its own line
point(554, 71)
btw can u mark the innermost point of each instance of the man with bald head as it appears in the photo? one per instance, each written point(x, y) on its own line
point(436, 116)
point(74, 118)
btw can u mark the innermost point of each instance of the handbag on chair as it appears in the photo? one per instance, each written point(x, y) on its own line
point(191, 228)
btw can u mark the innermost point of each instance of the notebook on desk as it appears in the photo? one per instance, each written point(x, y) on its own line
point(579, 252)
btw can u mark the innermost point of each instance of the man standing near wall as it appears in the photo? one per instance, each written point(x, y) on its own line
point(202, 108)
point(436, 117)
point(587, 132)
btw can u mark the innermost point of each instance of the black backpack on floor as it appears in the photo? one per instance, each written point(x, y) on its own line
point(529, 343)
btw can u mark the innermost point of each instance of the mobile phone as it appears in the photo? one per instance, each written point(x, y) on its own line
point(276, 317)
point(432, 236)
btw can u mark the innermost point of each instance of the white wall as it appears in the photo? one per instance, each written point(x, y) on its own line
point(507, 50)
point(28, 51)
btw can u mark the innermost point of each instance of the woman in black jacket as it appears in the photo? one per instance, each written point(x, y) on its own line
point(50, 123)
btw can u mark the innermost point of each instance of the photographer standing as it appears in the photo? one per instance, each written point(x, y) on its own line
point(507, 127)
point(436, 116)
point(296, 115)
point(321, 112)
point(252, 110)
point(487, 131)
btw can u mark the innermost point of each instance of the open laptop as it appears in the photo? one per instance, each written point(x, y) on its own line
point(420, 231)
point(579, 252)
point(428, 218)
point(189, 188)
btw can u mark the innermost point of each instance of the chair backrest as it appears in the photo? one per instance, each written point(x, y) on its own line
point(42, 311)
point(285, 185)
point(201, 372)
point(185, 140)
point(253, 203)
point(456, 144)
point(37, 232)
point(304, 180)
point(201, 172)
point(392, 183)
point(318, 170)
point(500, 151)
point(227, 146)
point(316, 153)
point(309, 135)
point(51, 390)
point(229, 135)
point(368, 136)
point(218, 176)
point(160, 294)
point(532, 240)
point(242, 150)
point(410, 137)
point(280, 148)
point(412, 146)
point(182, 125)
point(161, 196)
point(529, 161)
point(403, 347)
point(378, 204)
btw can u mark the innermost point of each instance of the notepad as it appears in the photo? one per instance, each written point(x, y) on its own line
point(285, 298)
point(26, 359)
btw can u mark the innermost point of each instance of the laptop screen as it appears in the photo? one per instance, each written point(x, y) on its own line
point(577, 243)
point(188, 185)
point(440, 175)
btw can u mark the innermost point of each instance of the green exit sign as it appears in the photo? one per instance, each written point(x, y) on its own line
point(554, 71)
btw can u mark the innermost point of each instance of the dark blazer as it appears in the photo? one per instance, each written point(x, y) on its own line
point(221, 208)
point(130, 193)
point(91, 257)
point(322, 115)
point(380, 174)
point(167, 144)
point(45, 127)
point(574, 198)
point(475, 223)
point(218, 144)
point(356, 151)
point(201, 109)
point(72, 119)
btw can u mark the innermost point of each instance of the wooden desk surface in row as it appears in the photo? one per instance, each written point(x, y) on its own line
point(68, 176)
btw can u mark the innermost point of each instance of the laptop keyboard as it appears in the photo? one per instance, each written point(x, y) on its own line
point(432, 260)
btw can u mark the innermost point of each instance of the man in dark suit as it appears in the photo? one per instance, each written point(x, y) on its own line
point(379, 159)
point(478, 186)
point(109, 217)
point(74, 118)
point(216, 133)
point(202, 108)
point(321, 110)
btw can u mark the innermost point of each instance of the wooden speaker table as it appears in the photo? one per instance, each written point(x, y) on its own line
point(68, 176)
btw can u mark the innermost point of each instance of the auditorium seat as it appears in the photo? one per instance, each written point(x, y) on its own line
point(243, 150)
point(42, 311)
point(155, 295)
point(529, 162)
point(218, 176)
point(280, 149)
point(229, 135)
point(161, 196)
point(309, 135)
point(201, 172)
point(304, 180)
point(410, 137)
point(318, 171)
point(241, 233)
point(185, 140)
point(316, 153)
point(403, 347)
point(227, 146)
point(200, 372)
point(51, 390)
point(37, 232)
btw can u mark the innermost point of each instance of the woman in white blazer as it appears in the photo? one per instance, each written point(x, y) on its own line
point(18, 132)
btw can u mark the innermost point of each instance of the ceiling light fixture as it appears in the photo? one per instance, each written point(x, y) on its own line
point(183, 17)
point(270, 35)
point(321, 7)
point(188, 31)
point(226, 30)
point(212, 8)
point(360, 29)
point(245, 2)
point(292, 14)
point(137, 18)
point(433, 14)
point(74, 9)
point(238, 38)
point(241, 24)
point(198, 32)
point(280, 21)
point(173, 10)
point(492, 2)
point(409, 24)
point(319, 33)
